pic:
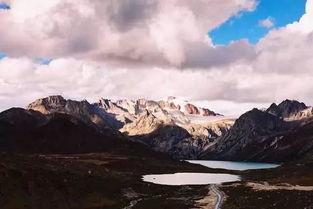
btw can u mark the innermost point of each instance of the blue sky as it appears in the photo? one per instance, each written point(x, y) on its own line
point(1, 55)
point(4, 6)
point(43, 61)
point(247, 25)
point(39, 60)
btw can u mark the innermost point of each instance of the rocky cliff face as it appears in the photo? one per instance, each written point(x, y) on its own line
point(114, 114)
point(145, 123)
point(175, 141)
point(305, 114)
point(191, 109)
point(266, 135)
point(188, 108)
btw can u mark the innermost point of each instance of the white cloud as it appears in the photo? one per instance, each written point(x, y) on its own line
point(267, 23)
point(288, 50)
point(230, 108)
point(305, 24)
point(77, 80)
point(148, 31)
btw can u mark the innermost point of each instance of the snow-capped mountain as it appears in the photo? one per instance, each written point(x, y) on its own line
point(168, 111)
point(170, 125)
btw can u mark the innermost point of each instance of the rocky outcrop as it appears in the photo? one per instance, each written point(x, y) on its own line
point(146, 123)
point(114, 114)
point(207, 112)
point(209, 131)
point(49, 105)
point(168, 105)
point(107, 104)
point(191, 109)
point(128, 105)
point(188, 108)
point(303, 115)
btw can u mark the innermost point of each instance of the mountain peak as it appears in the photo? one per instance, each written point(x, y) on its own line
point(45, 104)
point(188, 107)
point(55, 99)
point(105, 103)
point(286, 108)
point(293, 103)
point(170, 98)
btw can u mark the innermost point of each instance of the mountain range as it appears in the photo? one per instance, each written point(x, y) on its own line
point(280, 133)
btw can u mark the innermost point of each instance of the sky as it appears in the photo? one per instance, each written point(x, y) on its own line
point(254, 25)
point(229, 55)
point(4, 6)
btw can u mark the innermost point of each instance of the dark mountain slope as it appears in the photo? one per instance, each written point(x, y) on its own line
point(287, 108)
point(27, 131)
point(290, 146)
point(21, 118)
point(266, 136)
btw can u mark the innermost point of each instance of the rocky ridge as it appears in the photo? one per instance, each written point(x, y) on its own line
point(280, 133)
point(79, 109)
point(286, 109)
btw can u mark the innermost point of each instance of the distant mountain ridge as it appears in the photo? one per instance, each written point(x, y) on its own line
point(281, 133)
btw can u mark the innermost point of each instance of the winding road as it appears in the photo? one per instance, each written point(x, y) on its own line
point(220, 197)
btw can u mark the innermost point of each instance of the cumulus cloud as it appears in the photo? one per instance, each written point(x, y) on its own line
point(77, 80)
point(147, 31)
point(287, 50)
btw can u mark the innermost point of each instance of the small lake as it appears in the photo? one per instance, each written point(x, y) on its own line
point(178, 179)
point(237, 166)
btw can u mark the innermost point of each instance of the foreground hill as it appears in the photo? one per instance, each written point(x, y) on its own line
point(29, 131)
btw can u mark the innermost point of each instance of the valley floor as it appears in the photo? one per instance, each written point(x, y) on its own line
point(94, 181)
